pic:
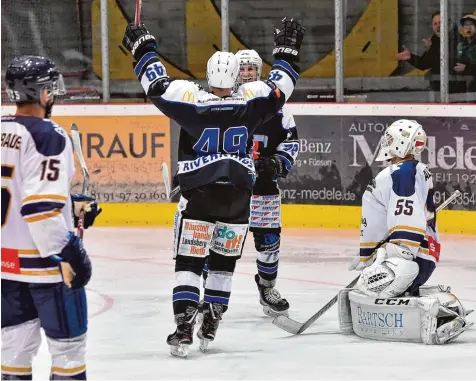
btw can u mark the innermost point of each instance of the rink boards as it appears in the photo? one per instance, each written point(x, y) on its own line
point(294, 216)
point(130, 142)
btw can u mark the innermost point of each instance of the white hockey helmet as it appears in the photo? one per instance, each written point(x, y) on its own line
point(403, 137)
point(250, 57)
point(222, 70)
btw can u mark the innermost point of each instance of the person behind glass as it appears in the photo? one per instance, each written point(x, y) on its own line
point(466, 52)
point(430, 59)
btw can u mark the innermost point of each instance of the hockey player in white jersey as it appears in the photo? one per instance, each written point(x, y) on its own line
point(37, 231)
point(215, 167)
point(391, 300)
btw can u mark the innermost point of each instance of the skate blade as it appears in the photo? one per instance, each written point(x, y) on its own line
point(204, 345)
point(180, 350)
point(273, 313)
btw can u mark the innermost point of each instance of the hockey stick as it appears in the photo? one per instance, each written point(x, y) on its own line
point(166, 177)
point(138, 12)
point(294, 327)
point(79, 152)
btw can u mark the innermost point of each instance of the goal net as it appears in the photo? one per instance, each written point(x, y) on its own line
point(53, 29)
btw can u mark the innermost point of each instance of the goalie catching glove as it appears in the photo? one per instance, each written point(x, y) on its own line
point(287, 42)
point(138, 40)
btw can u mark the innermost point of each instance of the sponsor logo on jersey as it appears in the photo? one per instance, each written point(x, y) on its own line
point(229, 239)
point(193, 165)
point(195, 238)
point(233, 240)
point(188, 97)
point(248, 94)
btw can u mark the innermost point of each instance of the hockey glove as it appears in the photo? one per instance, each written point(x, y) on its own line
point(77, 257)
point(269, 167)
point(287, 42)
point(89, 206)
point(138, 40)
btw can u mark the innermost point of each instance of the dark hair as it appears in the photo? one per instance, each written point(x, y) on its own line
point(26, 103)
point(437, 13)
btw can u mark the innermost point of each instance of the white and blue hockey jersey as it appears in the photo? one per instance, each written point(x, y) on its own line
point(37, 169)
point(399, 204)
point(215, 139)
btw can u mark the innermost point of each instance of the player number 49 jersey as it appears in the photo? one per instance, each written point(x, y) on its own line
point(37, 168)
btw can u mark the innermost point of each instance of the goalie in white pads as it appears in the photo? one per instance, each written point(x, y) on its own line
point(390, 301)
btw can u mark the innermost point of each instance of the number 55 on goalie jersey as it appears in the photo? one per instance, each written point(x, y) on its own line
point(399, 204)
point(37, 168)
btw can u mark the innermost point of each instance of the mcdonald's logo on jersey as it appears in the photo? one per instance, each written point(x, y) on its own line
point(188, 97)
point(248, 94)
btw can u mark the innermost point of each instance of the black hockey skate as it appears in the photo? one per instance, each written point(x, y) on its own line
point(180, 340)
point(212, 313)
point(270, 299)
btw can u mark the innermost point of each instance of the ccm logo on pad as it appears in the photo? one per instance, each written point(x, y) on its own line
point(393, 302)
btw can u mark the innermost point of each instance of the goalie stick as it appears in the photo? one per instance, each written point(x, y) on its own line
point(292, 326)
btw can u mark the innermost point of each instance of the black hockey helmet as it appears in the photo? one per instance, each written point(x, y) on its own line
point(27, 76)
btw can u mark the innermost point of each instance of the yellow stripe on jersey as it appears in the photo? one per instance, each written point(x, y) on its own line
point(44, 197)
point(39, 272)
point(16, 369)
point(405, 242)
point(43, 216)
point(424, 251)
point(68, 371)
point(409, 228)
point(28, 252)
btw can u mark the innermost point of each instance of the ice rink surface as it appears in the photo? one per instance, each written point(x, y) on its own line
point(130, 313)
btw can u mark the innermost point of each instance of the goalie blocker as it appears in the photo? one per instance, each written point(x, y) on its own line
point(436, 317)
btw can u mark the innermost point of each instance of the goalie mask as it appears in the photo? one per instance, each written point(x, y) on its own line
point(403, 137)
point(251, 65)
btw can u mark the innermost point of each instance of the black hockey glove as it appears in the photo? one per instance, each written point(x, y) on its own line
point(287, 41)
point(138, 40)
point(77, 257)
point(89, 206)
point(269, 167)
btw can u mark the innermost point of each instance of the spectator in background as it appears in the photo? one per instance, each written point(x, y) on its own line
point(466, 52)
point(430, 59)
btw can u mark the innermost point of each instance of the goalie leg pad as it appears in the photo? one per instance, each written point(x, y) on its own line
point(344, 311)
point(418, 319)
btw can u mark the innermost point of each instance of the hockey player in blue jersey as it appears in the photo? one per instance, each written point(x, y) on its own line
point(38, 243)
point(392, 300)
point(216, 171)
point(275, 147)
